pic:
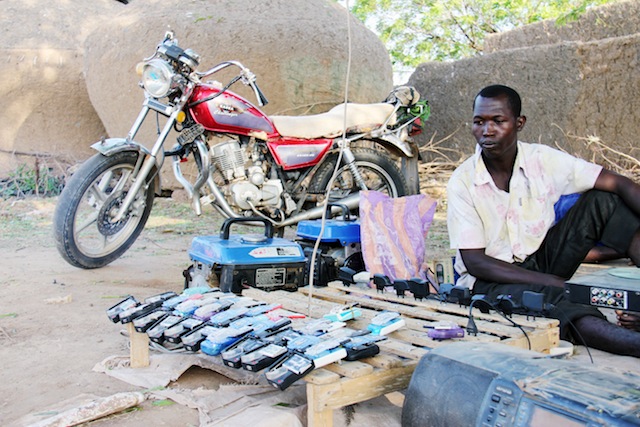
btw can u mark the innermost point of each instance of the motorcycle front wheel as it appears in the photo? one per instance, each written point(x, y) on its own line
point(86, 234)
point(379, 172)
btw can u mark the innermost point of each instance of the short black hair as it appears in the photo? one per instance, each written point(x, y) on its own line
point(494, 91)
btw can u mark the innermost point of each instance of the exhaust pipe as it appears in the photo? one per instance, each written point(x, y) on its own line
point(352, 202)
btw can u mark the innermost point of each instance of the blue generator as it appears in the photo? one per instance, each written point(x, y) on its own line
point(339, 245)
point(236, 262)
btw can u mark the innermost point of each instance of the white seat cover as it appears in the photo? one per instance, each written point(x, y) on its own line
point(361, 117)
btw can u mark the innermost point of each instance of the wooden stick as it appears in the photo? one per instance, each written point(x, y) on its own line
point(93, 410)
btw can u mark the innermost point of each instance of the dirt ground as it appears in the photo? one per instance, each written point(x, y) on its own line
point(53, 326)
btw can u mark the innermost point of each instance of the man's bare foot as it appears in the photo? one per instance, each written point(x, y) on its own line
point(629, 320)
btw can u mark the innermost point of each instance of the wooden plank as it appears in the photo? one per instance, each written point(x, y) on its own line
point(138, 348)
point(320, 417)
point(384, 361)
point(421, 314)
point(353, 390)
point(416, 317)
point(353, 369)
point(494, 325)
point(321, 376)
point(403, 349)
point(537, 322)
point(541, 340)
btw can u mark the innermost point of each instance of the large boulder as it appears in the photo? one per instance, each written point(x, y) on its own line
point(69, 67)
point(618, 19)
point(298, 49)
point(43, 99)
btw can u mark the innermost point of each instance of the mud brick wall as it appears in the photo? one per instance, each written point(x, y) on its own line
point(571, 90)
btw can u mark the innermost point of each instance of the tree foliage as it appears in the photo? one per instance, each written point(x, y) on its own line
point(417, 31)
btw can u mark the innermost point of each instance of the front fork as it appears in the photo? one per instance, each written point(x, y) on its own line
point(155, 157)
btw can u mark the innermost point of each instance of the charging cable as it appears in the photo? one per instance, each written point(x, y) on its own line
point(480, 299)
point(314, 253)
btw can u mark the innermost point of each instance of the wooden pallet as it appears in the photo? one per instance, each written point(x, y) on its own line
point(341, 384)
point(345, 383)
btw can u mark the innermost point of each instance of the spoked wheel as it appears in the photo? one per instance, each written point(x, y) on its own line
point(86, 232)
point(379, 172)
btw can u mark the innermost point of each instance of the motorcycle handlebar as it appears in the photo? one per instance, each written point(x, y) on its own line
point(262, 100)
point(247, 76)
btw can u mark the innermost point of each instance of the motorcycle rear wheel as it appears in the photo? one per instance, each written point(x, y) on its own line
point(379, 172)
point(85, 233)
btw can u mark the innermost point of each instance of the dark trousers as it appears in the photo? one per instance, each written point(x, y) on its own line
point(597, 216)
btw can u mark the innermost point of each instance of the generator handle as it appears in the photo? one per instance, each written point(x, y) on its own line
point(226, 226)
point(345, 210)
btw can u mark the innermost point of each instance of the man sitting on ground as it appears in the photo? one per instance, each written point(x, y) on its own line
point(501, 221)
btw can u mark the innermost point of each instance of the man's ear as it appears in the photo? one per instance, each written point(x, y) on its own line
point(520, 121)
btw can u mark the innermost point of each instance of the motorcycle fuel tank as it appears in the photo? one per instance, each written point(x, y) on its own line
point(228, 112)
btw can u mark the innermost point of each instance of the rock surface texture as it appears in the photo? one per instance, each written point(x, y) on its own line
point(297, 48)
point(577, 81)
point(44, 103)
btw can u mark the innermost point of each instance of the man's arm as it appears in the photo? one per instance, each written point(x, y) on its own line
point(491, 269)
point(628, 190)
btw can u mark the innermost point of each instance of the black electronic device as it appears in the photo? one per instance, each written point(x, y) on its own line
point(419, 288)
point(459, 294)
point(156, 331)
point(339, 246)
point(381, 281)
point(401, 286)
point(288, 370)
point(360, 347)
point(489, 384)
point(262, 358)
point(192, 340)
point(141, 324)
point(127, 316)
point(126, 304)
point(347, 276)
point(232, 356)
point(617, 288)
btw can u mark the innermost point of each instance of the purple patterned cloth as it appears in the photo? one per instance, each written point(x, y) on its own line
point(393, 233)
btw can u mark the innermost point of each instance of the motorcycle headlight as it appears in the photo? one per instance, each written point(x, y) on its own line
point(157, 78)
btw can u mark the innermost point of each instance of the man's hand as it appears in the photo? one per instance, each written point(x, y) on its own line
point(491, 269)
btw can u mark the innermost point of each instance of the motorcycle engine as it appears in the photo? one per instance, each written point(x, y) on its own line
point(245, 186)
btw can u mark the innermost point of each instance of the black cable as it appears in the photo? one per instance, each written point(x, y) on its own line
point(215, 95)
point(580, 337)
point(473, 329)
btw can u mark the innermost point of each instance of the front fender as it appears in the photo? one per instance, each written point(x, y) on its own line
point(110, 146)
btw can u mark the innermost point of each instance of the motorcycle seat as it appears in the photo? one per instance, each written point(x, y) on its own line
point(361, 118)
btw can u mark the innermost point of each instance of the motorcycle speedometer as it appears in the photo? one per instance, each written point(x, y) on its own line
point(157, 77)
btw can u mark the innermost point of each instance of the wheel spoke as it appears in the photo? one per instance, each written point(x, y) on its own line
point(124, 177)
point(96, 196)
point(87, 223)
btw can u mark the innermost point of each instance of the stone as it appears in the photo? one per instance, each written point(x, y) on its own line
point(44, 103)
point(297, 49)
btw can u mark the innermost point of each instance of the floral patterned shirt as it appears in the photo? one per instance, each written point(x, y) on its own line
point(511, 225)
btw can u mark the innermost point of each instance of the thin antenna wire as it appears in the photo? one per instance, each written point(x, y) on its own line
point(312, 262)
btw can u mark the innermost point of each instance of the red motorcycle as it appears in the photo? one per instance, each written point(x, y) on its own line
point(278, 168)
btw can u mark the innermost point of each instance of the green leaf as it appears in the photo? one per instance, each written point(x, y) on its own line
point(418, 31)
point(8, 315)
point(164, 402)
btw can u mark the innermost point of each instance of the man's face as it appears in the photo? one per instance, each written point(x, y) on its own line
point(495, 126)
